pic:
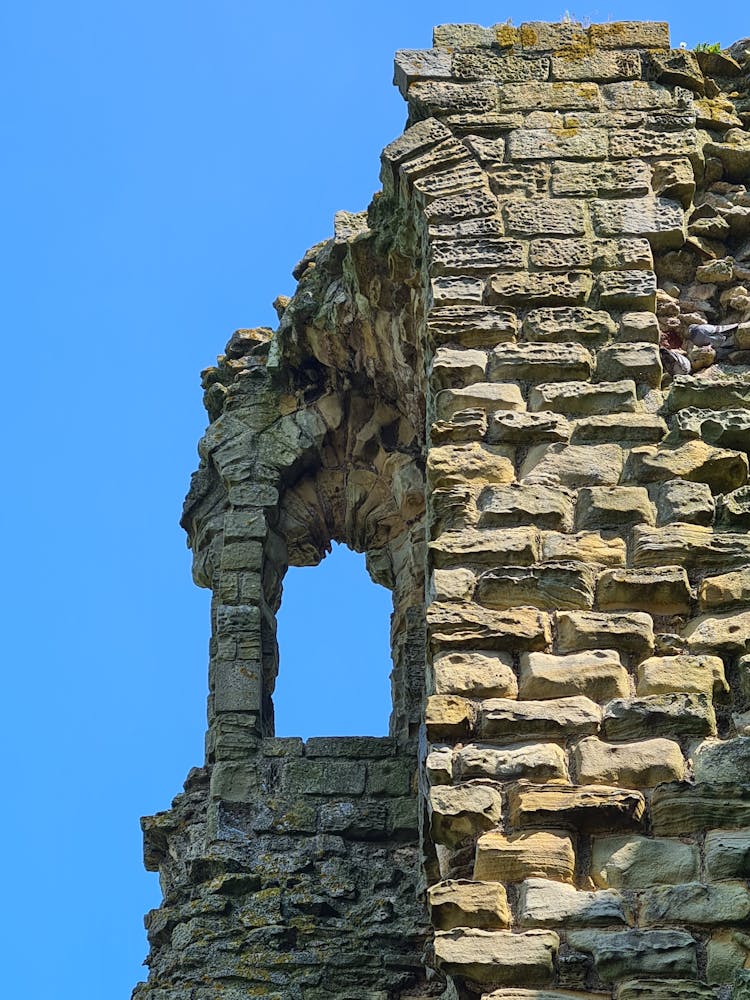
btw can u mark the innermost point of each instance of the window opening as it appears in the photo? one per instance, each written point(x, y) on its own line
point(333, 631)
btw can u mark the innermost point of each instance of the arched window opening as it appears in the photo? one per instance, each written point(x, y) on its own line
point(334, 650)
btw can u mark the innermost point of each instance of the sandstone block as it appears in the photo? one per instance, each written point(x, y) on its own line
point(451, 465)
point(727, 954)
point(550, 96)
point(636, 95)
point(486, 546)
point(584, 546)
point(542, 217)
point(538, 362)
point(690, 545)
point(567, 324)
point(447, 153)
point(423, 135)
point(633, 289)
point(709, 393)
point(725, 590)
point(638, 327)
point(575, 399)
point(472, 626)
point(437, 98)
point(501, 506)
point(641, 764)
point(488, 396)
point(415, 64)
point(456, 368)
point(675, 714)
point(590, 809)
point(477, 255)
point(530, 761)
point(448, 715)
point(522, 994)
point(723, 470)
point(505, 721)
point(678, 809)
point(681, 500)
point(438, 765)
point(573, 466)
point(659, 220)
point(717, 760)
point(664, 989)
point(548, 587)
point(554, 144)
point(613, 507)
point(472, 674)
point(728, 633)
point(461, 811)
point(471, 325)
point(512, 858)
point(455, 208)
point(702, 674)
point(634, 862)
point(660, 591)
point(545, 903)
point(728, 854)
point(630, 35)
point(494, 65)
point(675, 179)
point(497, 957)
point(637, 142)
point(460, 903)
point(452, 290)
point(693, 903)
point(620, 428)
point(556, 255)
point(464, 426)
point(631, 953)
point(594, 65)
point(522, 429)
point(459, 36)
point(639, 362)
point(629, 178)
point(631, 633)
point(596, 674)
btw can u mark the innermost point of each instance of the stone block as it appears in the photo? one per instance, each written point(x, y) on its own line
point(512, 858)
point(590, 809)
point(453, 208)
point(635, 862)
point(449, 290)
point(573, 466)
point(622, 954)
point(630, 633)
point(461, 811)
point(678, 68)
point(575, 399)
point(546, 903)
point(497, 957)
point(722, 760)
point(584, 546)
point(539, 362)
point(675, 179)
point(634, 289)
point(560, 255)
point(488, 396)
point(549, 96)
point(659, 220)
point(637, 95)
point(629, 178)
point(448, 153)
point(638, 327)
point(472, 325)
point(689, 673)
point(725, 590)
point(709, 393)
point(644, 142)
point(501, 506)
point(302, 776)
point(438, 765)
point(526, 180)
point(689, 545)
point(459, 36)
point(470, 626)
point(592, 65)
point(678, 809)
point(466, 425)
point(505, 721)
point(676, 714)
point(693, 903)
point(728, 854)
point(540, 217)
point(420, 136)
point(420, 64)
point(727, 954)
point(727, 634)
point(596, 674)
point(486, 546)
point(641, 764)
point(684, 501)
point(539, 288)
point(502, 66)
point(563, 324)
point(630, 35)
point(452, 465)
point(639, 362)
point(437, 98)
point(660, 591)
point(476, 255)
point(461, 903)
point(548, 587)
point(530, 761)
point(448, 715)
point(558, 143)
point(613, 508)
point(462, 178)
point(458, 367)
point(475, 675)
point(527, 428)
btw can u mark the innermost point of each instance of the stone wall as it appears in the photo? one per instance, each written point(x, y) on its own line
point(520, 383)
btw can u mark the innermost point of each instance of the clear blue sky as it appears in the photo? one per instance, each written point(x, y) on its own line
point(166, 164)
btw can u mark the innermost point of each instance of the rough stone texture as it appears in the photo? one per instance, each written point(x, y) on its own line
point(498, 384)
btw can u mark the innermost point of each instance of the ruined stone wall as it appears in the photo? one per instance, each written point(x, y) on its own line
point(520, 383)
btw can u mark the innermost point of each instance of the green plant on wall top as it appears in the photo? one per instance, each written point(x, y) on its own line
point(708, 47)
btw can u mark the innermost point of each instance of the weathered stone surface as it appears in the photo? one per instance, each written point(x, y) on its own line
point(449, 465)
point(657, 219)
point(635, 862)
point(638, 327)
point(620, 428)
point(660, 591)
point(497, 956)
point(575, 399)
point(595, 65)
point(728, 854)
point(631, 633)
point(545, 903)
point(477, 255)
point(630, 765)
point(457, 368)
point(630, 35)
point(567, 325)
point(544, 218)
point(689, 545)
point(487, 546)
point(501, 506)
point(488, 396)
point(596, 674)
point(573, 466)
point(673, 714)
point(449, 715)
point(721, 469)
point(725, 633)
point(470, 325)
point(492, 65)
point(626, 953)
point(592, 180)
point(590, 809)
point(680, 809)
point(555, 144)
point(633, 289)
point(475, 674)
point(539, 362)
point(507, 721)
point(589, 547)
point(469, 625)
point(639, 362)
point(725, 590)
point(512, 858)
point(684, 672)
point(722, 760)
point(461, 811)
point(548, 587)
point(531, 761)
point(681, 500)
point(460, 903)
point(694, 903)
point(522, 429)
point(613, 507)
